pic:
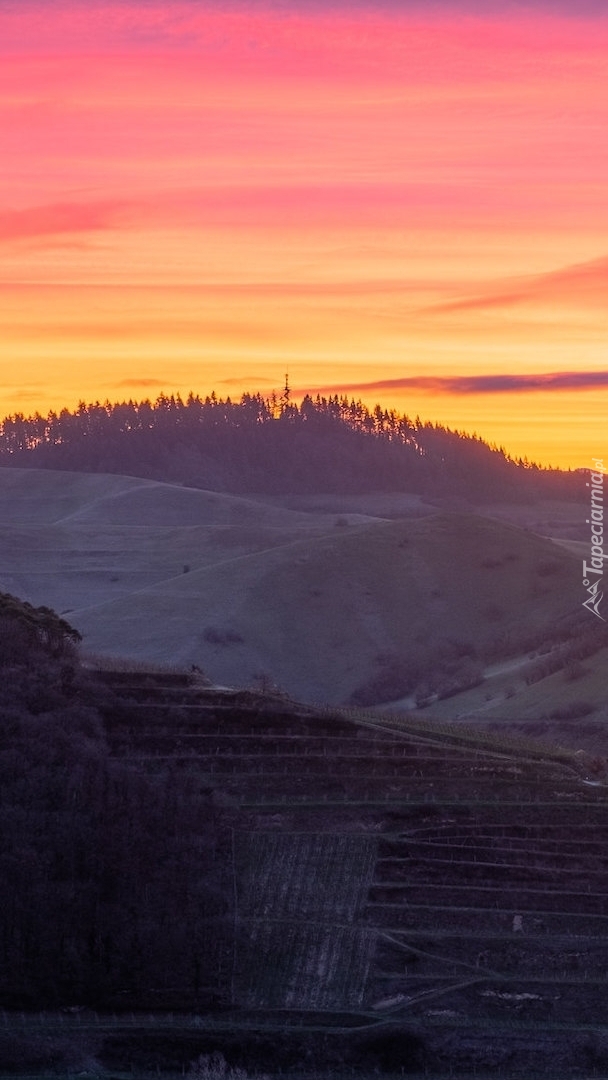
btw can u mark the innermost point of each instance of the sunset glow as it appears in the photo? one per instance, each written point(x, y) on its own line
point(382, 198)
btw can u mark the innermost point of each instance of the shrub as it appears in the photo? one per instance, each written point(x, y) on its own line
point(574, 670)
point(36, 628)
point(468, 675)
point(397, 678)
point(451, 668)
point(423, 697)
point(550, 663)
point(215, 1067)
point(572, 711)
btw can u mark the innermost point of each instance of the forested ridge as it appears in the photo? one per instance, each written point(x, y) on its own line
point(274, 446)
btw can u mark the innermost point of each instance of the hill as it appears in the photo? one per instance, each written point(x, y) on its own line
point(326, 605)
point(356, 897)
point(330, 445)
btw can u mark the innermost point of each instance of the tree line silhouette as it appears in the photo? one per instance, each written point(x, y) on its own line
point(275, 446)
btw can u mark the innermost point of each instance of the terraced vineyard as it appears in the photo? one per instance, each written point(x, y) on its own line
point(301, 894)
point(424, 891)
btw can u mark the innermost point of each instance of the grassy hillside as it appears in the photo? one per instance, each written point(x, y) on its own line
point(75, 541)
point(324, 604)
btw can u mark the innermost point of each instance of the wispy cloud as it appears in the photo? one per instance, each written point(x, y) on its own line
point(476, 384)
point(579, 283)
point(28, 394)
point(252, 380)
point(141, 384)
point(58, 219)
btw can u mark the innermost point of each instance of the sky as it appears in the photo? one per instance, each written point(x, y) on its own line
point(406, 202)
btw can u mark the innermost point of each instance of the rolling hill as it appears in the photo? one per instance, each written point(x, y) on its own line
point(324, 604)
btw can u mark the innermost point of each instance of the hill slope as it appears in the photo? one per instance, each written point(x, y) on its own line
point(323, 604)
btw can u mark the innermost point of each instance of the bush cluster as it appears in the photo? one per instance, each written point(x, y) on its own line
point(97, 856)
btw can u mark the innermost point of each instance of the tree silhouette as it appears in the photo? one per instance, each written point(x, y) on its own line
point(331, 444)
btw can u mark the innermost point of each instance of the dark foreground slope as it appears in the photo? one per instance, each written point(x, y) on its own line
point(396, 897)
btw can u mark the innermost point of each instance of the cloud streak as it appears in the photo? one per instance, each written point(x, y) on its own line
point(59, 219)
point(476, 384)
point(141, 384)
point(582, 282)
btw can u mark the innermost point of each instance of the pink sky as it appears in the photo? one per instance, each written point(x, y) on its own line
point(197, 195)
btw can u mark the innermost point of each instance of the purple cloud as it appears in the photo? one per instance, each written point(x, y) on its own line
point(476, 384)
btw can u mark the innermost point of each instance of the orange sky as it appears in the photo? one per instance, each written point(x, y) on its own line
point(406, 201)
